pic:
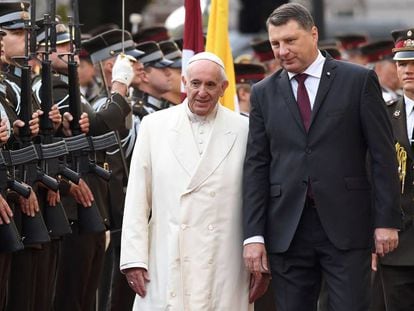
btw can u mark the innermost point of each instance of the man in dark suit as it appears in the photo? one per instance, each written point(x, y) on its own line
point(308, 201)
point(397, 269)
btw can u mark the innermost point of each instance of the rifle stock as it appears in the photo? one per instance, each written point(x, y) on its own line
point(9, 235)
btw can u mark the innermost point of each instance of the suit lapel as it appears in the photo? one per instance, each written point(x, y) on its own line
point(219, 145)
point(182, 142)
point(327, 77)
point(287, 93)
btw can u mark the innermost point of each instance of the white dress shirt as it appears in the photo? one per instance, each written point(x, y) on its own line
point(409, 106)
point(201, 127)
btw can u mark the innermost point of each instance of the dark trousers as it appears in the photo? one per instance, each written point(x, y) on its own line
point(115, 293)
point(79, 271)
point(5, 262)
point(398, 287)
point(297, 272)
point(377, 292)
point(46, 275)
point(22, 288)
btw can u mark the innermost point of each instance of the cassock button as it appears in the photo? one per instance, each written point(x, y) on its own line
point(210, 227)
point(212, 194)
point(308, 150)
point(184, 226)
point(173, 294)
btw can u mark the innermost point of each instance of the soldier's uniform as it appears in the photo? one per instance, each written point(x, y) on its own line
point(264, 54)
point(397, 268)
point(348, 44)
point(6, 112)
point(26, 264)
point(247, 75)
point(331, 47)
point(172, 52)
point(155, 33)
point(102, 47)
point(375, 53)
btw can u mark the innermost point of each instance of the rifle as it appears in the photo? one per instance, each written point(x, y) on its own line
point(26, 158)
point(79, 145)
point(9, 235)
point(52, 151)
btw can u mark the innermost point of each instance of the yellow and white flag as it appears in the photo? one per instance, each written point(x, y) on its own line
point(219, 44)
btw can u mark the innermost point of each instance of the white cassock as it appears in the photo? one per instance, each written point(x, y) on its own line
point(192, 245)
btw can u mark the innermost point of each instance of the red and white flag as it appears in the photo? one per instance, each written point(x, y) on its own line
point(193, 40)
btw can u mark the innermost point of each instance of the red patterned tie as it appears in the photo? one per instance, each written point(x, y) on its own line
point(303, 100)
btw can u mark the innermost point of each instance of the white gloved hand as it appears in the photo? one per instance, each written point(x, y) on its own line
point(122, 70)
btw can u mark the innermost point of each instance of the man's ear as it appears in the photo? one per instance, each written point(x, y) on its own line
point(224, 86)
point(108, 65)
point(144, 76)
point(183, 80)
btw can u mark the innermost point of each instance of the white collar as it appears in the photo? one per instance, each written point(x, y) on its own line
point(409, 105)
point(196, 118)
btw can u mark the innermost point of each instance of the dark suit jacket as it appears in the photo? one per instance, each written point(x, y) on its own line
point(348, 120)
point(404, 254)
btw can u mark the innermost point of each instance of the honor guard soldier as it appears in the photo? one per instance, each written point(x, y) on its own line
point(349, 47)
point(103, 49)
point(89, 85)
point(173, 53)
point(330, 47)
point(6, 213)
point(378, 55)
point(246, 76)
point(397, 268)
point(27, 265)
point(155, 33)
point(264, 54)
point(155, 80)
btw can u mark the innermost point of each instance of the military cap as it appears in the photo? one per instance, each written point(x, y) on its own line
point(62, 33)
point(377, 50)
point(263, 50)
point(102, 28)
point(154, 33)
point(404, 44)
point(153, 56)
point(332, 51)
point(109, 44)
point(249, 73)
point(171, 52)
point(350, 42)
point(330, 47)
point(244, 58)
point(179, 43)
point(13, 14)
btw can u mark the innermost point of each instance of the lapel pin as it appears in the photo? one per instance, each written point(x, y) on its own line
point(328, 73)
point(396, 113)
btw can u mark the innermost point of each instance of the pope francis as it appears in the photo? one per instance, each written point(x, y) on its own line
point(182, 232)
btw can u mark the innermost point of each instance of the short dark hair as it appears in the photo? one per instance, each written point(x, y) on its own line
point(291, 11)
